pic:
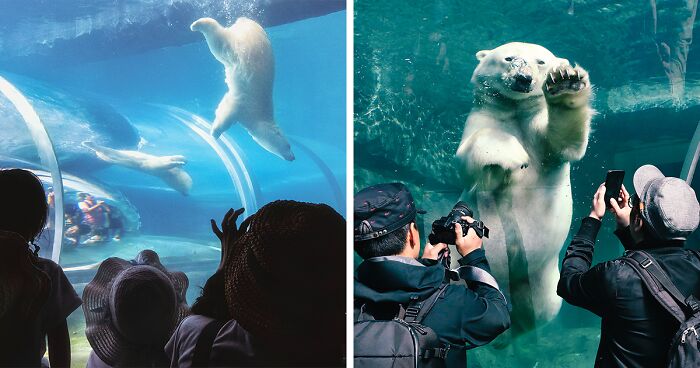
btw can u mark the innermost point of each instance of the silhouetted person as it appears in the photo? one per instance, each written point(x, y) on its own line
point(35, 295)
point(131, 309)
point(278, 296)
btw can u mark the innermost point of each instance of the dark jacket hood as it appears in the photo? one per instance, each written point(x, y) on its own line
point(397, 279)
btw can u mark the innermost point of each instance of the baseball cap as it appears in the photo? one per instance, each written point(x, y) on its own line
point(381, 209)
point(670, 206)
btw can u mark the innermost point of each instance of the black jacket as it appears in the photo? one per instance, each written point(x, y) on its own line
point(464, 317)
point(635, 330)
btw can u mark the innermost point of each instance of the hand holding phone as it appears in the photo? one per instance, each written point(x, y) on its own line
point(613, 185)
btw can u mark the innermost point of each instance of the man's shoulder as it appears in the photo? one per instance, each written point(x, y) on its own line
point(458, 293)
point(50, 267)
point(46, 262)
point(613, 267)
point(193, 325)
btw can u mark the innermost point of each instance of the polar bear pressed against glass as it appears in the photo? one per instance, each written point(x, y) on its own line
point(531, 118)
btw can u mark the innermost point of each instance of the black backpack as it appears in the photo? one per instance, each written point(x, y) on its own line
point(399, 342)
point(684, 350)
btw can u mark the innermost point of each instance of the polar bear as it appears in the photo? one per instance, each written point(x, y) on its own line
point(167, 168)
point(245, 51)
point(531, 118)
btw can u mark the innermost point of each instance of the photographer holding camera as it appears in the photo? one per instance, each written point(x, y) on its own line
point(647, 296)
point(410, 302)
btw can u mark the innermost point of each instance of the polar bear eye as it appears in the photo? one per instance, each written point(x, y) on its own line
point(541, 62)
point(509, 58)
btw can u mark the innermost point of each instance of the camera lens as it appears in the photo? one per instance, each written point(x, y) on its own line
point(463, 209)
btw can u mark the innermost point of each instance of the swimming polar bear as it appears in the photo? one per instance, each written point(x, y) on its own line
point(167, 168)
point(245, 51)
point(531, 118)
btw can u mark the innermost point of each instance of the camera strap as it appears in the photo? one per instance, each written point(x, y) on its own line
point(473, 274)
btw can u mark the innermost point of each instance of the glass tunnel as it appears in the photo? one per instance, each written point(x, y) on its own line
point(74, 109)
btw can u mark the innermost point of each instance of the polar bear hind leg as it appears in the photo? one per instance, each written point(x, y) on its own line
point(225, 114)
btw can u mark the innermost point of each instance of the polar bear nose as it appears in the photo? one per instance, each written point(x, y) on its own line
point(523, 78)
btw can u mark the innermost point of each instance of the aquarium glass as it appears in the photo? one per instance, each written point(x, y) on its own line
point(413, 62)
point(81, 78)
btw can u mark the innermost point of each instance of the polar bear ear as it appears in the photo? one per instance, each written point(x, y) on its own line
point(482, 54)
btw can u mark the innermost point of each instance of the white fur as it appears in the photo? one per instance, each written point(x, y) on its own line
point(514, 158)
point(167, 168)
point(245, 52)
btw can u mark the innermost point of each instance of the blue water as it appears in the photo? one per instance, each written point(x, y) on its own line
point(142, 91)
point(155, 96)
point(412, 65)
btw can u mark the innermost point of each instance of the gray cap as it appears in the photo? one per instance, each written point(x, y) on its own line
point(670, 208)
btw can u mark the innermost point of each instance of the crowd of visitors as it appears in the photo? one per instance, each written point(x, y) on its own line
point(250, 312)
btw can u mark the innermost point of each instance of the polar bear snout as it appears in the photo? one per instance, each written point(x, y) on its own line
point(519, 80)
point(522, 83)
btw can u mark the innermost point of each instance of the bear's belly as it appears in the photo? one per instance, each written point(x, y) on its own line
point(528, 227)
point(540, 216)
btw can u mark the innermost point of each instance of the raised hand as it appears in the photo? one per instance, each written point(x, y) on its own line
point(598, 203)
point(229, 233)
point(621, 209)
point(467, 243)
point(433, 251)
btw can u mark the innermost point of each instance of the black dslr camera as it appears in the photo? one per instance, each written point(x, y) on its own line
point(444, 227)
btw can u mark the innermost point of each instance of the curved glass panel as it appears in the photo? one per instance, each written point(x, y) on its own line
point(127, 93)
point(47, 158)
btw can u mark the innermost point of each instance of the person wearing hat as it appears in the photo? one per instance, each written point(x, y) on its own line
point(278, 295)
point(635, 331)
point(35, 294)
point(131, 309)
point(386, 237)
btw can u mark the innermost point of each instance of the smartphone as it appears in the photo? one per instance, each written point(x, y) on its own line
point(613, 184)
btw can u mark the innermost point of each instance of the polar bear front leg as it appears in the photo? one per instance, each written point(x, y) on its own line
point(489, 157)
point(568, 94)
point(158, 163)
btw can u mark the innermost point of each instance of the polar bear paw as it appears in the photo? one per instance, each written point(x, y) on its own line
point(567, 84)
point(495, 176)
point(167, 162)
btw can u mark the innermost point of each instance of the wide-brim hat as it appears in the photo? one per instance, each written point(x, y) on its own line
point(669, 205)
point(281, 285)
point(134, 305)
